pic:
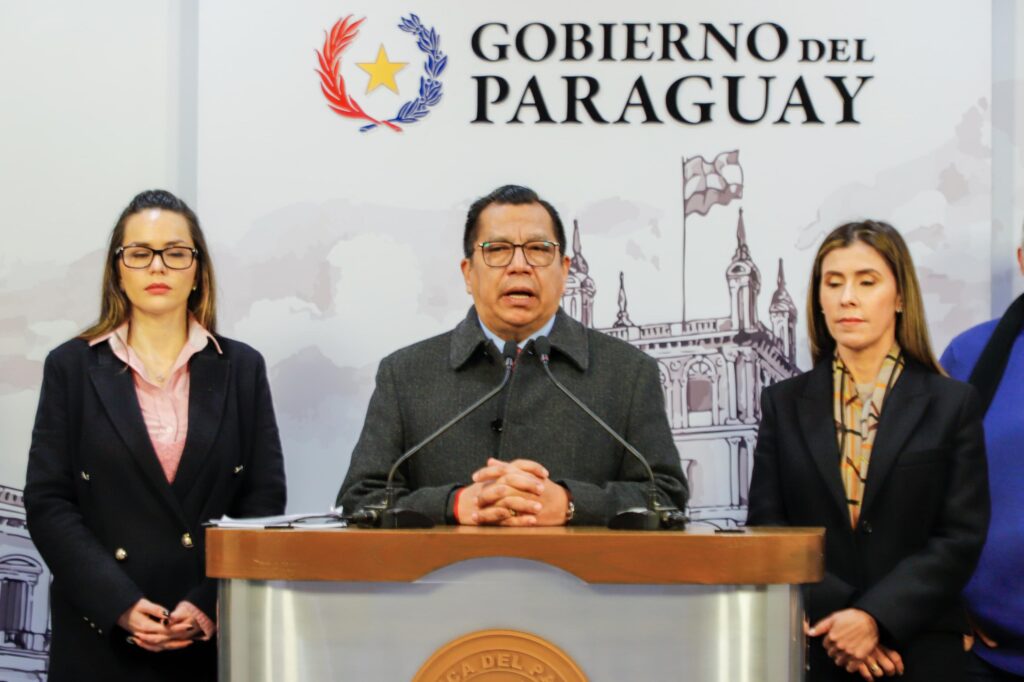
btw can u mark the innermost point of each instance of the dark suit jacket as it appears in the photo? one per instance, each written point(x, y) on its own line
point(421, 387)
point(925, 509)
point(94, 485)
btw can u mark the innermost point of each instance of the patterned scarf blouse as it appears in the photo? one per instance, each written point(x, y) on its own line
point(857, 422)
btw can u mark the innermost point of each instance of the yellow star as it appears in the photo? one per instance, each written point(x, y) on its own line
point(382, 71)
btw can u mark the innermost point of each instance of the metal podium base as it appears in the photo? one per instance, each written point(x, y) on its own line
point(285, 631)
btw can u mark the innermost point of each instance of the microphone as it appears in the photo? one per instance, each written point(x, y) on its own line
point(386, 515)
point(653, 516)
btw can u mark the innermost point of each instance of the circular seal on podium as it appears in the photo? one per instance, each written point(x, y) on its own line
point(499, 656)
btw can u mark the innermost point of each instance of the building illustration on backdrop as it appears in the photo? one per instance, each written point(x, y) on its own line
point(712, 372)
point(24, 596)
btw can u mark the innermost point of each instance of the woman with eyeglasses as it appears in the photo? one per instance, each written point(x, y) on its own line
point(148, 425)
point(885, 452)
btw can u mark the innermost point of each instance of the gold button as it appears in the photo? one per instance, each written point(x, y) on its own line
point(186, 541)
point(120, 554)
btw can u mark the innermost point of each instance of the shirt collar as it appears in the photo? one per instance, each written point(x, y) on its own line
point(198, 337)
point(500, 342)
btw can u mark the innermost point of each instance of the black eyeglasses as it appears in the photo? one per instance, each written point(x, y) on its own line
point(174, 257)
point(500, 254)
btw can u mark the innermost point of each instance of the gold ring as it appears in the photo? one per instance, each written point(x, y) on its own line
point(512, 512)
point(875, 668)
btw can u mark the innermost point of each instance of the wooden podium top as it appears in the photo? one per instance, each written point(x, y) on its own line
point(756, 556)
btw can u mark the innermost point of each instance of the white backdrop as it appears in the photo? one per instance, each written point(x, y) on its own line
point(336, 246)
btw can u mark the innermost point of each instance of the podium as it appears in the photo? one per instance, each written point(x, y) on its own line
point(392, 605)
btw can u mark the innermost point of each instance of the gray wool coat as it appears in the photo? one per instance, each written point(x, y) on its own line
point(422, 386)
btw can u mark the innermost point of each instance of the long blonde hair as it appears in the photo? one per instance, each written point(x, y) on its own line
point(115, 308)
point(911, 328)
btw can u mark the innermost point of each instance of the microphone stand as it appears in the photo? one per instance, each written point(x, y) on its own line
point(652, 517)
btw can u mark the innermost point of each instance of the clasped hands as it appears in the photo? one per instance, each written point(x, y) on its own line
point(850, 637)
point(516, 493)
point(154, 628)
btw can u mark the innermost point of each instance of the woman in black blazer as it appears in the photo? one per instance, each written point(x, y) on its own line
point(878, 446)
point(148, 425)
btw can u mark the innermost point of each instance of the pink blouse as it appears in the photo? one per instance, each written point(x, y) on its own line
point(164, 408)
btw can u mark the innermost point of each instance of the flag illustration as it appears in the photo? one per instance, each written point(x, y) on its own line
point(708, 183)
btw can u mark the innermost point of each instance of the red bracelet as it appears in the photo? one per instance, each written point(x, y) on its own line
point(455, 511)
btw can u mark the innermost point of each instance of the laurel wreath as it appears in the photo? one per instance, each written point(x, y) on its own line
point(431, 90)
point(332, 83)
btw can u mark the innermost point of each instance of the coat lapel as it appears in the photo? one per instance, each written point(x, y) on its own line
point(113, 383)
point(466, 338)
point(817, 423)
point(208, 388)
point(569, 337)
point(901, 414)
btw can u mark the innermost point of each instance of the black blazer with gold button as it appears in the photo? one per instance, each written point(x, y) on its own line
point(925, 509)
point(107, 522)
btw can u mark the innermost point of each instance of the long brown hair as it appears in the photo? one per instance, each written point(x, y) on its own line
point(115, 308)
point(911, 328)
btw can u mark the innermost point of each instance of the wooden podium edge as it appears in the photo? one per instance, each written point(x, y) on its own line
point(759, 556)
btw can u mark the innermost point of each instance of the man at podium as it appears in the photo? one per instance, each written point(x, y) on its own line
point(529, 457)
